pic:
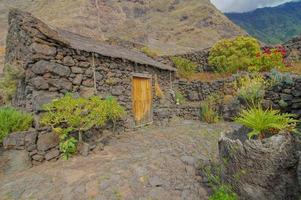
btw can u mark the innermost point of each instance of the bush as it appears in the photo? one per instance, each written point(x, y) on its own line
point(265, 121)
point(12, 120)
point(244, 53)
point(223, 193)
point(251, 89)
point(9, 81)
point(68, 114)
point(185, 68)
point(231, 55)
point(68, 147)
point(207, 110)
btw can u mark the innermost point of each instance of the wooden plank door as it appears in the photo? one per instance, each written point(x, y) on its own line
point(142, 100)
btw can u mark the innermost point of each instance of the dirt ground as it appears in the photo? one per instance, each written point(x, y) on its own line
point(153, 163)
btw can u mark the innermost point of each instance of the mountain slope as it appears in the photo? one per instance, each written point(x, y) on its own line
point(271, 25)
point(169, 26)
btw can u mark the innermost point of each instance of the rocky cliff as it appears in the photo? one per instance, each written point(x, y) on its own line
point(167, 26)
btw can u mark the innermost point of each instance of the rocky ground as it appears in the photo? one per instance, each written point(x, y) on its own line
point(149, 164)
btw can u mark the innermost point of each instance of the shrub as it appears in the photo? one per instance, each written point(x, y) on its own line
point(231, 55)
point(185, 68)
point(223, 193)
point(12, 120)
point(244, 53)
point(269, 59)
point(179, 97)
point(261, 121)
point(251, 89)
point(207, 110)
point(69, 114)
point(8, 83)
point(68, 147)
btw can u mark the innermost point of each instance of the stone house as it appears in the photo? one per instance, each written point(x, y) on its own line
point(58, 62)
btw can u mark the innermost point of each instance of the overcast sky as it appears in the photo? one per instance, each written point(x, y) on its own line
point(245, 5)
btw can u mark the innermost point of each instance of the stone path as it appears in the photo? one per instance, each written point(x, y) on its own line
point(149, 164)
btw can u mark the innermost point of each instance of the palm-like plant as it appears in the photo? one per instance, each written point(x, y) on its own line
point(261, 121)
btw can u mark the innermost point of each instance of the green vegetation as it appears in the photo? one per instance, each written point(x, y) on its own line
point(180, 99)
point(251, 89)
point(231, 55)
point(244, 54)
point(185, 67)
point(8, 83)
point(208, 111)
point(150, 52)
point(223, 193)
point(12, 120)
point(68, 147)
point(265, 121)
point(80, 115)
point(271, 25)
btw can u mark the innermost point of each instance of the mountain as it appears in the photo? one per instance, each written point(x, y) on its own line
point(168, 26)
point(271, 25)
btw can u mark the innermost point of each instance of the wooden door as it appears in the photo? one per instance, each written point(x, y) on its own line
point(142, 100)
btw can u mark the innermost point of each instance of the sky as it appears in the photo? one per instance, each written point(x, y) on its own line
point(245, 5)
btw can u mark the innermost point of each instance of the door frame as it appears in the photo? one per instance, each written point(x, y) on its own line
point(146, 76)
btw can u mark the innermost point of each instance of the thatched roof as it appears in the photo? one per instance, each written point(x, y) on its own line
point(79, 42)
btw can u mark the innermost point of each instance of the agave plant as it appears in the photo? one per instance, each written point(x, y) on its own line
point(261, 121)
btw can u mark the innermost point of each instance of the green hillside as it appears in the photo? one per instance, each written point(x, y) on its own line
point(271, 25)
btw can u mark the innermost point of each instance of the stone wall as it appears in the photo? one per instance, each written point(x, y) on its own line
point(198, 57)
point(286, 96)
point(293, 47)
point(199, 90)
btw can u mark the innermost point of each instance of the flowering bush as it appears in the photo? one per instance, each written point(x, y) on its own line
point(270, 58)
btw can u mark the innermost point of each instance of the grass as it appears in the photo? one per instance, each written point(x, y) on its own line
point(295, 68)
point(12, 120)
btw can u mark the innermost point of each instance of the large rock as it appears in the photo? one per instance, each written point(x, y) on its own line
point(43, 49)
point(47, 141)
point(261, 170)
point(13, 161)
point(42, 67)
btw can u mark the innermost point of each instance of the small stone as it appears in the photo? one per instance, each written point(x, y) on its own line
point(88, 83)
point(155, 181)
point(68, 60)
point(76, 70)
point(78, 79)
point(39, 83)
point(31, 147)
point(286, 97)
point(188, 160)
point(52, 154)
point(47, 141)
point(83, 148)
point(38, 157)
point(84, 64)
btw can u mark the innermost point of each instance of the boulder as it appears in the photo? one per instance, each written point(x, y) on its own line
point(43, 49)
point(261, 170)
point(43, 97)
point(39, 83)
point(42, 67)
point(83, 148)
point(14, 141)
point(47, 141)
